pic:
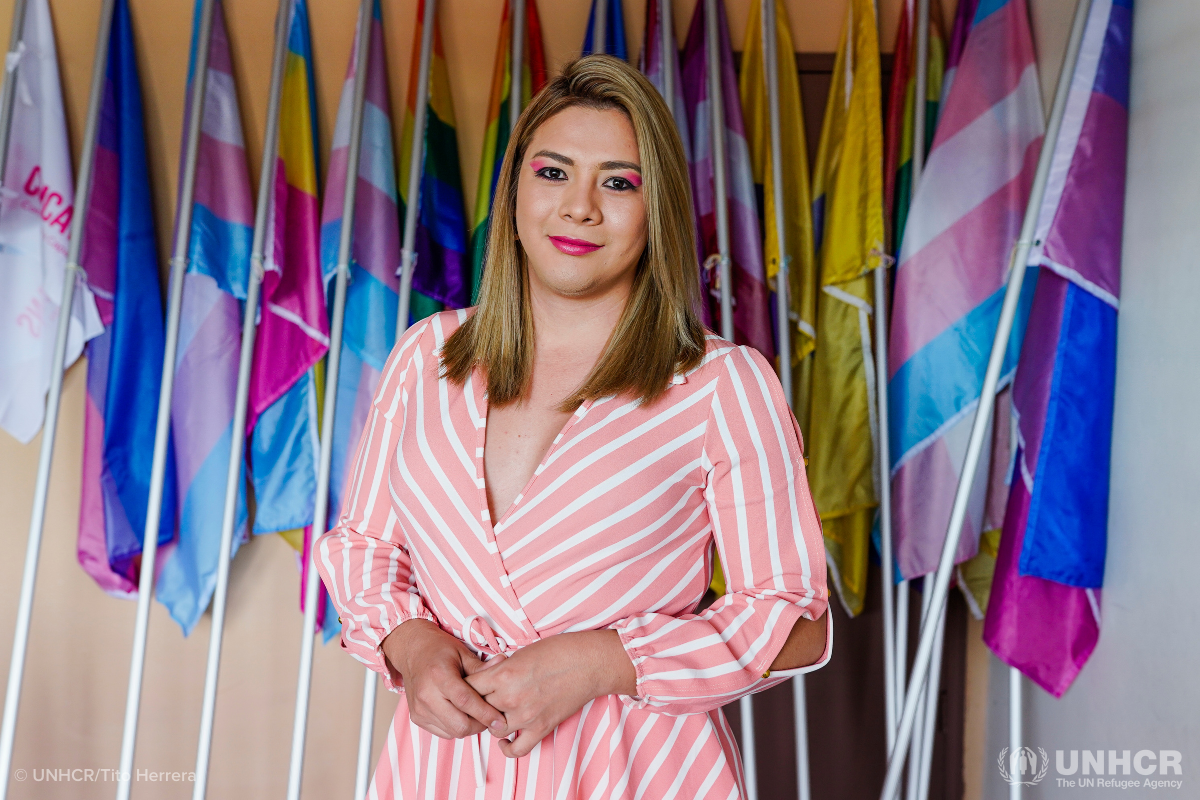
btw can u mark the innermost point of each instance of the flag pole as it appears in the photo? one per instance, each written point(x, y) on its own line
point(408, 260)
point(516, 86)
point(987, 399)
point(932, 688)
point(712, 45)
point(918, 736)
point(600, 26)
point(16, 669)
point(783, 319)
point(1015, 711)
point(234, 472)
point(321, 504)
point(8, 91)
point(162, 432)
point(666, 31)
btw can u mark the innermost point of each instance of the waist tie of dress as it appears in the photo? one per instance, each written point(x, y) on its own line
point(483, 640)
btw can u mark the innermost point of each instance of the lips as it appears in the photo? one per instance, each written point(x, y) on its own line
point(574, 247)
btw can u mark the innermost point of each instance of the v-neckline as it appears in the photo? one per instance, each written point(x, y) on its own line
point(493, 526)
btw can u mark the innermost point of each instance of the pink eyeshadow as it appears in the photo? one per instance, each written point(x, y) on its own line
point(537, 164)
point(632, 177)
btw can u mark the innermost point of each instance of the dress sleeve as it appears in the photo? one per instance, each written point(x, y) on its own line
point(363, 561)
point(768, 536)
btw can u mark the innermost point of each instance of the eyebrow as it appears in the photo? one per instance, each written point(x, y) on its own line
point(607, 165)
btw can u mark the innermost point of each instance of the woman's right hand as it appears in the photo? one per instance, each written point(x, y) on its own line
point(433, 665)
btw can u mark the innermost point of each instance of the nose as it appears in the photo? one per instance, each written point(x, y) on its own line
point(579, 202)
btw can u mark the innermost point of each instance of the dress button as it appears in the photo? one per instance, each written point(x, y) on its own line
point(767, 674)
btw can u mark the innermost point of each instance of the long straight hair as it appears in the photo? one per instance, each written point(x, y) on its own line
point(658, 333)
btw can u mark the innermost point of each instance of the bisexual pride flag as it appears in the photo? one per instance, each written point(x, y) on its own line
point(751, 309)
point(124, 362)
point(210, 336)
point(373, 293)
point(293, 329)
point(442, 274)
point(495, 135)
point(614, 30)
point(957, 249)
point(1044, 614)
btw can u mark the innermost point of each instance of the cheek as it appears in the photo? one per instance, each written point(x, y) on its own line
point(628, 224)
point(535, 202)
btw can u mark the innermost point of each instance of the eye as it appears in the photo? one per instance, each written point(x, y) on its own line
point(551, 173)
point(620, 184)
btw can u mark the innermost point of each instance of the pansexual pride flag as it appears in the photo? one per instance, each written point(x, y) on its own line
point(495, 136)
point(373, 294)
point(614, 30)
point(1044, 615)
point(293, 331)
point(209, 337)
point(124, 362)
point(958, 244)
point(442, 274)
point(751, 310)
point(898, 129)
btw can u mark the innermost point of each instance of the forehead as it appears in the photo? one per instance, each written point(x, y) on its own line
point(588, 135)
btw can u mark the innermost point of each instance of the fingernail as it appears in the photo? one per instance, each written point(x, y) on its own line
point(497, 725)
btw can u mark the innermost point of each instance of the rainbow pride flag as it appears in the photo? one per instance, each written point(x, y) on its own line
point(614, 30)
point(124, 362)
point(372, 296)
point(210, 336)
point(442, 274)
point(293, 331)
point(950, 282)
point(1044, 616)
point(901, 118)
point(495, 137)
point(751, 311)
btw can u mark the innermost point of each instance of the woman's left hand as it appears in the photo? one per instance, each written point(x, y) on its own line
point(543, 684)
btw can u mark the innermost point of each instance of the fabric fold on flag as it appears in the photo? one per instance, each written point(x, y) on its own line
point(751, 303)
point(125, 362)
point(210, 334)
point(36, 206)
point(849, 226)
point(958, 243)
point(1044, 616)
point(614, 30)
point(495, 135)
point(293, 328)
point(442, 273)
point(797, 200)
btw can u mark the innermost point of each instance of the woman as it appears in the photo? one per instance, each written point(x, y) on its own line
point(540, 485)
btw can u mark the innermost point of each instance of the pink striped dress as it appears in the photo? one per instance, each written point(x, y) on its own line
point(616, 529)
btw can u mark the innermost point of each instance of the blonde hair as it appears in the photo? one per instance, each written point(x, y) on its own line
point(658, 333)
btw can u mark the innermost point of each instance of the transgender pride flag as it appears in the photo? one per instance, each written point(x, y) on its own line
point(210, 336)
point(293, 332)
point(124, 362)
point(958, 243)
point(1044, 613)
point(373, 294)
point(751, 303)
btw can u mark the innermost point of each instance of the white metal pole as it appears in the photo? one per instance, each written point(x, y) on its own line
point(717, 121)
point(516, 65)
point(800, 712)
point(234, 474)
point(16, 669)
point(929, 726)
point(669, 58)
point(1015, 716)
point(408, 256)
point(8, 91)
point(979, 428)
point(333, 362)
point(162, 433)
point(600, 26)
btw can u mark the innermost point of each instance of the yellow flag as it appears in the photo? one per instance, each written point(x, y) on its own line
point(797, 202)
point(848, 212)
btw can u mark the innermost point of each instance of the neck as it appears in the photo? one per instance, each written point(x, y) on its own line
point(578, 325)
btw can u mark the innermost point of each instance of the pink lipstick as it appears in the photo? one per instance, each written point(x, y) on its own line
point(574, 247)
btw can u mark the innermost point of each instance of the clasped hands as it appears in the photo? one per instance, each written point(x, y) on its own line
point(453, 694)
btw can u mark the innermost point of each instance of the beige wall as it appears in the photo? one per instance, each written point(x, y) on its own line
point(78, 661)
